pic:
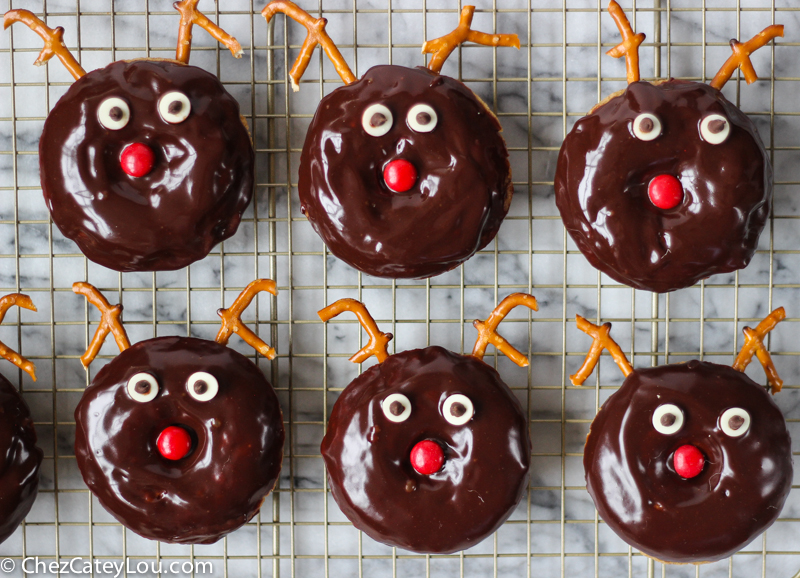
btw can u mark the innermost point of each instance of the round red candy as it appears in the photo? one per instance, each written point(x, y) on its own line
point(174, 443)
point(400, 175)
point(665, 191)
point(688, 461)
point(427, 457)
point(137, 159)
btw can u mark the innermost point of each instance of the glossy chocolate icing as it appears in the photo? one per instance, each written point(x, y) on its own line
point(739, 493)
point(461, 195)
point(19, 470)
point(238, 441)
point(192, 199)
point(486, 460)
point(602, 182)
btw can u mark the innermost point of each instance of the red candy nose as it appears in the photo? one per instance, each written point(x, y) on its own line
point(666, 192)
point(137, 159)
point(174, 443)
point(427, 457)
point(400, 175)
point(688, 461)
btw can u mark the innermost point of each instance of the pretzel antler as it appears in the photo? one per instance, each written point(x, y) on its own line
point(53, 41)
point(232, 321)
point(602, 340)
point(487, 330)
point(6, 303)
point(109, 322)
point(377, 339)
point(190, 16)
point(741, 56)
point(629, 47)
point(316, 35)
point(754, 345)
point(442, 47)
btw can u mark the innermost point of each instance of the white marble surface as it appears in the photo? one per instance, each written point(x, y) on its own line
point(532, 255)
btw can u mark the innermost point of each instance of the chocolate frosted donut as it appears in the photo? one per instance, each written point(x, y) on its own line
point(419, 192)
point(146, 164)
point(664, 185)
point(427, 451)
point(688, 463)
point(180, 439)
point(19, 470)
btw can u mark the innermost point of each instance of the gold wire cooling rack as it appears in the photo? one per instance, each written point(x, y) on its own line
point(538, 93)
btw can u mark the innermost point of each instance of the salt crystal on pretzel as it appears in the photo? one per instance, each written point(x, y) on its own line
point(377, 339)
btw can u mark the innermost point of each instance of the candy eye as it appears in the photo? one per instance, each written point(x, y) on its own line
point(396, 407)
point(174, 107)
point(667, 419)
point(422, 118)
point(377, 120)
point(113, 113)
point(715, 129)
point(143, 387)
point(646, 126)
point(734, 422)
point(202, 386)
point(458, 409)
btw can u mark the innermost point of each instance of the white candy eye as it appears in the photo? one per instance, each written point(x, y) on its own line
point(734, 422)
point(174, 107)
point(715, 129)
point(396, 407)
point(667, 419)
point(458, 409)
point(143, 387)
point(646, 126)
point(377, 120)
point(202, 386)
point(422, 118)
point(113, 113)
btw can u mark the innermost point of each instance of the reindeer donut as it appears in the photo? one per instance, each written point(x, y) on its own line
point(428, 450)
point(666, 183)
point(404, 173)
point(688, 462)
point(146, 164)
point(180, 439)
point(19, 472)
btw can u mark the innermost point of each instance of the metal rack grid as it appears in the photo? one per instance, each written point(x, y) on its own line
point(300, 531)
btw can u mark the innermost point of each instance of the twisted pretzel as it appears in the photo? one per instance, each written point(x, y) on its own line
point(629, 47)
point(741, 56)
point(602, 340)
point(316, 35)
point(487, 330)
point(232, 322)
point(754, 345)
point(109, 322)
point(53, 41)
point(24, 302)
point(190, 16)
point(377, 339)
point(442, 47)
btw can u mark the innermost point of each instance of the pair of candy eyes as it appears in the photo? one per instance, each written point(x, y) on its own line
point(202, 386)
point(377, 119)
point(457, 408)
point(714, 128)
point(668, 419)
point(114, 113)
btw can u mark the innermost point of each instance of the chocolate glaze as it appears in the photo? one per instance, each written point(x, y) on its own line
point(602, 182)
point(192, 199)
point(461, 195)
point(486, 460)
point(19, 470)
point(739, 493)
point(238, 441)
